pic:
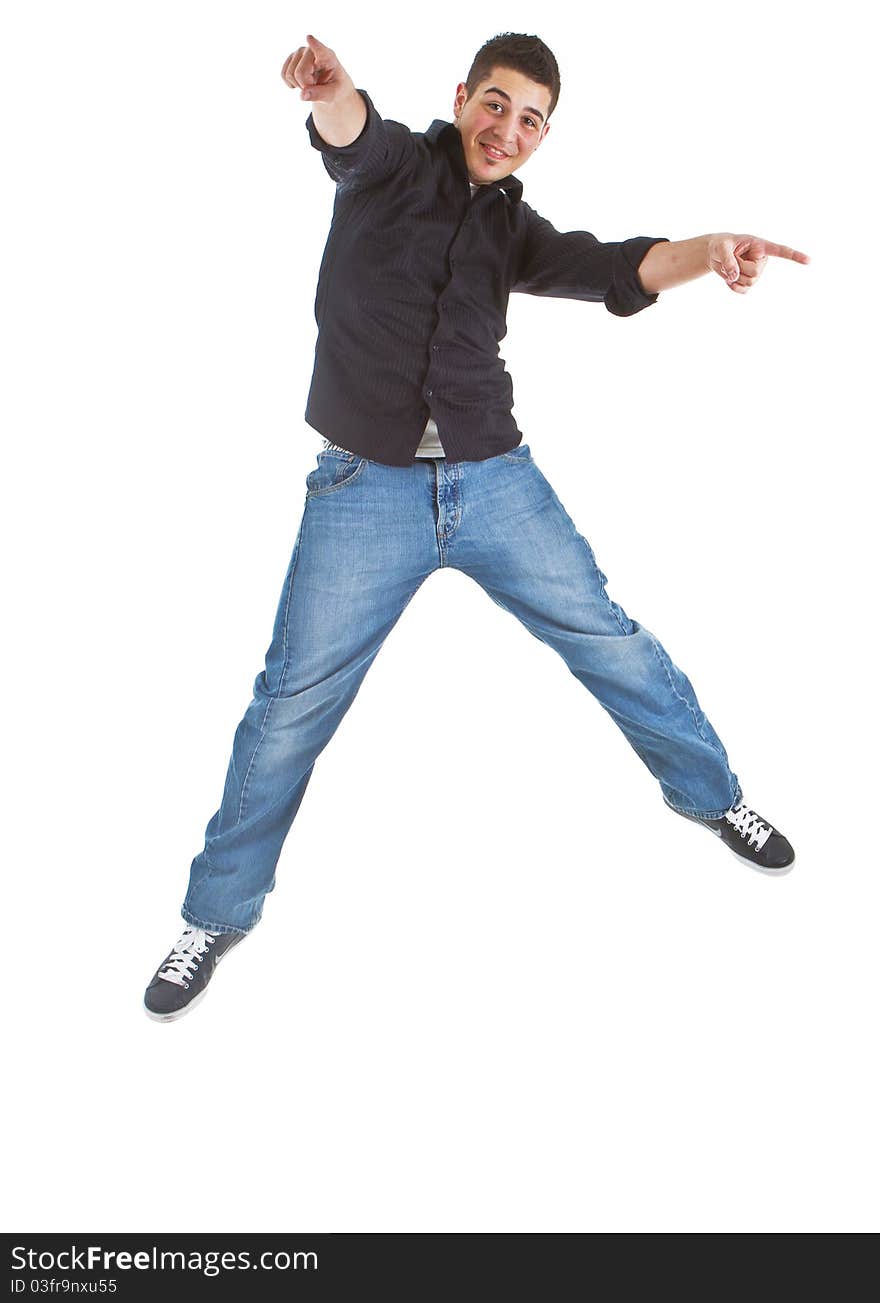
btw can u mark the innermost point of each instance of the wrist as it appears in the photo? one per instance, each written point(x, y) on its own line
point(344, 101)
point(341, 121)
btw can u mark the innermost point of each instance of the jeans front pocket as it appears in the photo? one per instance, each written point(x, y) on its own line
point(521, 452)
point(334, 471)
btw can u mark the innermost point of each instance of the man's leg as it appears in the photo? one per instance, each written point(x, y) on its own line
point(365, 545)
point(518, 542)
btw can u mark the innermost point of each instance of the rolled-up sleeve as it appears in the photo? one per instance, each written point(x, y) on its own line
point(381, 148)
point(575, 265)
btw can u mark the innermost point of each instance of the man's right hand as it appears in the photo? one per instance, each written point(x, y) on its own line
point(339, 112)
point(316, 72)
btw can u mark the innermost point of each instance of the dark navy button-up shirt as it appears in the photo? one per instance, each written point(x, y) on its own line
point(413, 287)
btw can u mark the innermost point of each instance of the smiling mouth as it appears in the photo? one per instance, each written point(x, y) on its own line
point(492, 155)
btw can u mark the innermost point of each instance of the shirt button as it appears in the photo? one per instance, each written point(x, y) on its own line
point(435, 347)
point(428, 393)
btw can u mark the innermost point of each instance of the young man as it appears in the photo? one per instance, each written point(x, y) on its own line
point(423, 467)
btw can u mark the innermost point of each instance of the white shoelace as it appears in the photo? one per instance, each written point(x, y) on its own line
point(189, 950)
point(749, 825)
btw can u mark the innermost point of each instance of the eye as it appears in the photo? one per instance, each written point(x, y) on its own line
point(495, 105)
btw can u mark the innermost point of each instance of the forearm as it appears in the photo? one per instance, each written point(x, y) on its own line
point(674, 262)
point(343, 120)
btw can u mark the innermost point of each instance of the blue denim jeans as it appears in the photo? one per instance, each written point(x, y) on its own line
point(369, 537)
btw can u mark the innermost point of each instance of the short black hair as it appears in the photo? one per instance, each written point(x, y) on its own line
point(526, 54)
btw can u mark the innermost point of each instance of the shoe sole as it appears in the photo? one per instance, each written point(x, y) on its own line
point(188, 1008)
point(759, 868)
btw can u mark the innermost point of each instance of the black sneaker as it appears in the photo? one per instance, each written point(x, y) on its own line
point(182, 980)
point(751, 838)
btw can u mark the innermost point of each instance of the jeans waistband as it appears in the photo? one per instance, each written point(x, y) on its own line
point(337, 447)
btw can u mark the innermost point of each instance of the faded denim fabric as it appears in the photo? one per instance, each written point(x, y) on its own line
point(369, 537)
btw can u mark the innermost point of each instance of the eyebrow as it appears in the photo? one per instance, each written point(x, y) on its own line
point(503, 93)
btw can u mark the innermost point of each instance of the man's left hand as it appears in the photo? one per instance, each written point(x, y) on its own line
point(740, 259)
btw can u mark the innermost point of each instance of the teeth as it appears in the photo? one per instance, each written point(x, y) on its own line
point(493, 153)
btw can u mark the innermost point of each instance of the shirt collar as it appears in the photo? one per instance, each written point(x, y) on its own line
point(448, 137)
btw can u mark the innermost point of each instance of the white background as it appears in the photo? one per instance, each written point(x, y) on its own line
point(498, 986)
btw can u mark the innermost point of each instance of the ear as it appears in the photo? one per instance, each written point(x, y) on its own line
point(543, 136)
point(460, 98)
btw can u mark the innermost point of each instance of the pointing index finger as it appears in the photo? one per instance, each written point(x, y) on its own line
point(783, 251)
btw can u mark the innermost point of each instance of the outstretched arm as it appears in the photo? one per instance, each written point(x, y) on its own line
point(338, 111)
point(738, 259)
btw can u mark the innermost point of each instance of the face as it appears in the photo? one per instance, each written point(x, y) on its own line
point(502, 123)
